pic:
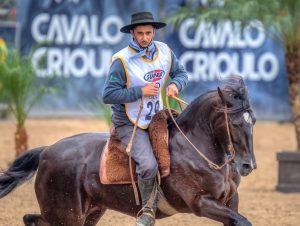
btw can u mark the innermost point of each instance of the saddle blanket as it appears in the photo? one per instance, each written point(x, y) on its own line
point(114, 162)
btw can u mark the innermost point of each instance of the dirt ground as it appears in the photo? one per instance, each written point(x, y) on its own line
point(259, 201)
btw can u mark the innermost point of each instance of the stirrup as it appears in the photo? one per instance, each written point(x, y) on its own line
point(145, 217)
point(147, 211)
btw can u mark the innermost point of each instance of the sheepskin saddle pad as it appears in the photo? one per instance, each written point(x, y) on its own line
point(114, 162)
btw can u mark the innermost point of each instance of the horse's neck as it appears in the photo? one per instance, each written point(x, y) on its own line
point(199, 131)
point(200, 139)
point(196, 122)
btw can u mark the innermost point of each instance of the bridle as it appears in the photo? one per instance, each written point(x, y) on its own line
point(230, 145)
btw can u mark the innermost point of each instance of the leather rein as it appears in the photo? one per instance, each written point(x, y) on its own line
point(230, 145)
point(210, 163)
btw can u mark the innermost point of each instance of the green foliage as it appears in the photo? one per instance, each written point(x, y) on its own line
point(102, 110)
point(280, 17)
point(20, 87)
point(7, 3)
point(173, 103)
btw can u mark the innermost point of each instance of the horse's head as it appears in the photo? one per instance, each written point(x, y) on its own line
point(240, 119)
point(220, 120)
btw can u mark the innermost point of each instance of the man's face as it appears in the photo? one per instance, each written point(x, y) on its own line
point(143, 34)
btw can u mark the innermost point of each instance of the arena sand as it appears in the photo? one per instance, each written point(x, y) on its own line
point(259, 201)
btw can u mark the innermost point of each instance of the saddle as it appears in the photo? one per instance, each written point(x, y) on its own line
point(114, 162)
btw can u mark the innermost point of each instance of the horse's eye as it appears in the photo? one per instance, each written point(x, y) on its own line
point(238, 96)
point(236, 123)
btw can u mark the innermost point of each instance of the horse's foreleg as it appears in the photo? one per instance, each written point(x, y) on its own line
point(233, 204)
point(210, 208)
point(34, 220)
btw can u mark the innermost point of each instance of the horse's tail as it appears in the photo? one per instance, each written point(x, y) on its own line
point(21, 170)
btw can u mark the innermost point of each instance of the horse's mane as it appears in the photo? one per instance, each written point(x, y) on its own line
point(234, 93)
point(200, 107)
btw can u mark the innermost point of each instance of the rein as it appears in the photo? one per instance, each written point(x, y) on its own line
point(210, 163)
point(230, 145)
point(128, 151)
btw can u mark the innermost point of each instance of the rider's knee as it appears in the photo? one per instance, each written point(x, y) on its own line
point(150, 169)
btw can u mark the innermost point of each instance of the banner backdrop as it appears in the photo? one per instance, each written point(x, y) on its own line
point(211, 52)
point(74, 40)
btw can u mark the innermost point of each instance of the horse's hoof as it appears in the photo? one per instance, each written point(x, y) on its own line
point(145, 220)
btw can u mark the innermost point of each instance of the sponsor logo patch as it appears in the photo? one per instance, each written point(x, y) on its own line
point(155, 75)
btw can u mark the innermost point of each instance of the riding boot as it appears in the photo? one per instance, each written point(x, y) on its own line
point(146, 216)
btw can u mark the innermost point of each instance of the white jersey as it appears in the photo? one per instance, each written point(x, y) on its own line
point(140, 72)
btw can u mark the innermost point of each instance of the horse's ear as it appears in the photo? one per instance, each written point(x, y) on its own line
point(221, 95)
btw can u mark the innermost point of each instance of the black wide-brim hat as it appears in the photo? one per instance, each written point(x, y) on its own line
point(142, 18)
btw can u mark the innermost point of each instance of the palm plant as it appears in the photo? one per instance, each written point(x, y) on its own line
point(21, 91)
point(280, 18)
point(101, 109)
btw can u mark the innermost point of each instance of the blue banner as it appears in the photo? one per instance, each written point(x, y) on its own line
point(74, 40)
point(212, 51)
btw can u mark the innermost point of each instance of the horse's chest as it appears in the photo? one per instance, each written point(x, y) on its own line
point(229, 191)
point(225, 189)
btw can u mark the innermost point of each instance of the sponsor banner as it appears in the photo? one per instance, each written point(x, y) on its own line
point(74, 40)
point(212, 51)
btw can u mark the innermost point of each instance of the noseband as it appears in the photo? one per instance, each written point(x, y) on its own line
point(230, 145)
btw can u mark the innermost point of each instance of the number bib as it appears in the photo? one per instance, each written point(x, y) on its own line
point(140, 72)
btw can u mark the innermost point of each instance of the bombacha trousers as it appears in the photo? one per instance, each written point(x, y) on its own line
point(141, 152)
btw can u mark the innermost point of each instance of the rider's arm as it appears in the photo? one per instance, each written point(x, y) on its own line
point(115, 90)
point(178, 74)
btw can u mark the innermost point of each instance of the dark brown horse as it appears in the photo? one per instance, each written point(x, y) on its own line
point(67, 184)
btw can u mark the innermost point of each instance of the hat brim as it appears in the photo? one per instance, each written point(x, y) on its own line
point(157, 25)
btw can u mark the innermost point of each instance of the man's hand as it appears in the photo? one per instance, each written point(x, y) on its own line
point(150, 90)
point(172, 90)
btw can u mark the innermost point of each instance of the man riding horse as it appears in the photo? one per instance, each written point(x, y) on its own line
point(137, 76)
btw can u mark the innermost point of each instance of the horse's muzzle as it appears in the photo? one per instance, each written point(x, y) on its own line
point(246, 168)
